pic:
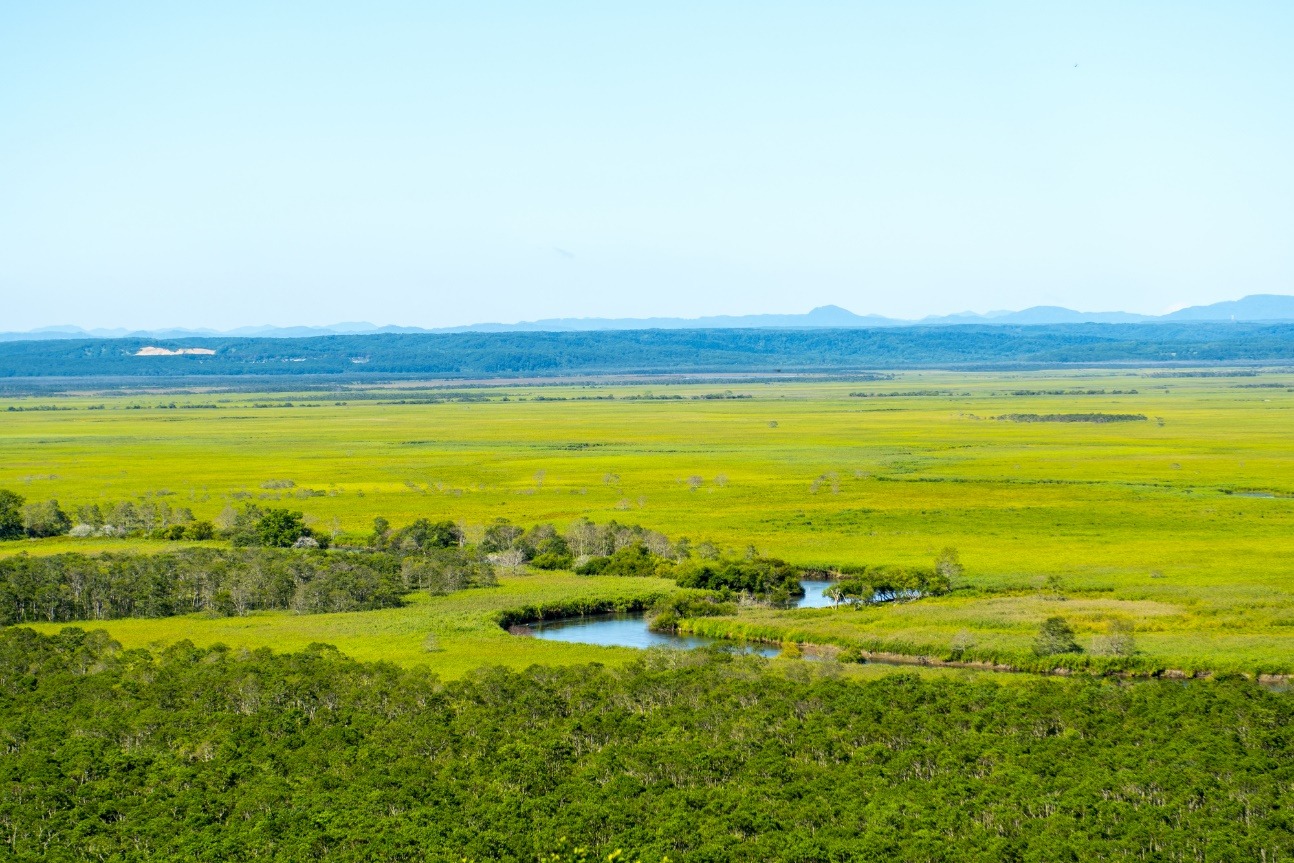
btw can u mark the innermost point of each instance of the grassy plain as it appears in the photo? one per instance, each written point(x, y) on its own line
point(1152, 521)
point(449, 634)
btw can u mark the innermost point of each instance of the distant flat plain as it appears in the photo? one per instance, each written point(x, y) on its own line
point(1179, 524)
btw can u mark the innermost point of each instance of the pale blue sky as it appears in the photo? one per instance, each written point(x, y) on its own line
point(423, 163)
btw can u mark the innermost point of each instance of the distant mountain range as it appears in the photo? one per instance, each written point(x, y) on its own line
point(1256, 307)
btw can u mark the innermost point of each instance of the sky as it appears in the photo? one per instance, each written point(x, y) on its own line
point(443, 163)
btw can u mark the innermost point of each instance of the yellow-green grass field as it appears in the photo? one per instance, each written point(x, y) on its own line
point(1166, 523)
point(450, 635)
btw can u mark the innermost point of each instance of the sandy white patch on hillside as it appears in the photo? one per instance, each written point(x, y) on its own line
point(167, 352)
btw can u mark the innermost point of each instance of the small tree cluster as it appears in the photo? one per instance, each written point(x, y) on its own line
point(766, 578)
point(154, 518)
point(36, 519)
point(271, 528)
point(868, 585)
point(151, 518)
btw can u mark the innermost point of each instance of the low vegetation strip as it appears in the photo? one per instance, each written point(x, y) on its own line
point(1041, 658)
point(1073, 418)
point(576, 607)
point(693, 757)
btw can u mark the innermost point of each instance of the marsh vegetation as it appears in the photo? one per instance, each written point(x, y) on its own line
point(413, 537)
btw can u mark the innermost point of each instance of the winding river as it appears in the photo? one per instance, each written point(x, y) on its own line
point(630, 630)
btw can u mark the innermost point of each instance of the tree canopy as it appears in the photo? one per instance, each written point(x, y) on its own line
point(206, 754)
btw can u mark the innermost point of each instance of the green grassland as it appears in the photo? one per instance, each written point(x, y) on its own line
point(449, 634)
point(1151, 522)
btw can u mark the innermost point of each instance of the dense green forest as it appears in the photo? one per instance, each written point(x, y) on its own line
point(194, 754)
point(487, 354)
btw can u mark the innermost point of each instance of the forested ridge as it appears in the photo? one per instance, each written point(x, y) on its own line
point(212, 754)
point(648, 351)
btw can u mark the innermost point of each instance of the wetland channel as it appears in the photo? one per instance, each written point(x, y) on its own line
point(630, 630)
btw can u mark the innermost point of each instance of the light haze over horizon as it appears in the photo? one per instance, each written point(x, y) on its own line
point(441, 164)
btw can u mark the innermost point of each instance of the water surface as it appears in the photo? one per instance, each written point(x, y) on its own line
point(814, 594)
point(630, 630)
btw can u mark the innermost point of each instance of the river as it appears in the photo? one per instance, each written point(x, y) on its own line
point(630, 630)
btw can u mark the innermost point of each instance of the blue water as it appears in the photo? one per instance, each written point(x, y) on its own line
point(814, 594)
point(630, 630)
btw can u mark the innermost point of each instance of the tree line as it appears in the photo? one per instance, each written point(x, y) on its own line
point(261, 572)
point(214, 754)
point(152, 517)
point(69, 587)
point(278, 562)
point(653, 351)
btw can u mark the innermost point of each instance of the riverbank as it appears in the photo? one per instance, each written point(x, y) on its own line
point(816, 636)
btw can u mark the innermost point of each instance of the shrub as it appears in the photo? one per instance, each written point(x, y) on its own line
point(552, 560)
point(1118, 642)
point(1055, 636)
point(667, 612)
point(634, 561)
point(200, 530)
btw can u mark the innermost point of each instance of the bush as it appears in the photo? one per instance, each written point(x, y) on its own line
point(633, 561)
point(552, 560)
point(200, 531)
point(1055, 636)
point(668, 611)
point(1118, 642)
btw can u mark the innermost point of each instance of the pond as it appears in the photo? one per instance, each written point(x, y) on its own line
point(630, 630)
